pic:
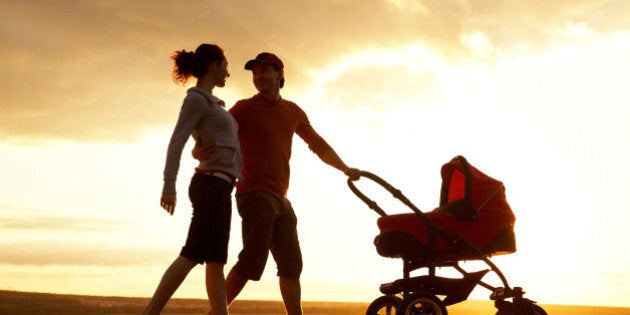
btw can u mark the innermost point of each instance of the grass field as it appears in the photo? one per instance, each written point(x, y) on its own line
point(23, 303)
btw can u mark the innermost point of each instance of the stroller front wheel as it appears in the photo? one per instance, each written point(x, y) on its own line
point(384, 305)
point(519, 307)
point(421, 303)
point(537, 310)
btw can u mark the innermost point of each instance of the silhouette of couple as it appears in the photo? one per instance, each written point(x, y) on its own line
point(247, 147)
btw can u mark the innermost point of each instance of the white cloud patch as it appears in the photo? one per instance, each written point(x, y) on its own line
point(412, 6)
point(379, 79)
point(481, 47)
point(576, 31)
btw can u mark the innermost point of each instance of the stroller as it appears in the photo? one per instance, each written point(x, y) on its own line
point(473, 222)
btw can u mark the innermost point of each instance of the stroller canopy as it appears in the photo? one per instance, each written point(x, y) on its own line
point(485, 195)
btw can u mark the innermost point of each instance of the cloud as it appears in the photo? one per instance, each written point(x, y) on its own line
point(60, 224)
point(33, 238)
point(68, 253)
point(100, 71)
point(379, 79)
point(28, 219)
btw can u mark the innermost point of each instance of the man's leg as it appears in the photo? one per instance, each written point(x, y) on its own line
point(257, 210)
point(233, 285)
point(291, 295)
point(288, 256)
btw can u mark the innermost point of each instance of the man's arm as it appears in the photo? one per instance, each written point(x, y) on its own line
point(324, 151)
point(331, 158)
point(202, 153)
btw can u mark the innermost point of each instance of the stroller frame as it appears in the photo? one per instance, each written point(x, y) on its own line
point(419, 294)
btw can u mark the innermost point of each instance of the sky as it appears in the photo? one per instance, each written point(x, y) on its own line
point(533, 93)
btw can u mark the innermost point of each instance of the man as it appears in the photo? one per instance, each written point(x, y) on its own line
point(267, 123)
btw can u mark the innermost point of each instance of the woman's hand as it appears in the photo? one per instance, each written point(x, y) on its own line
point(168, 202)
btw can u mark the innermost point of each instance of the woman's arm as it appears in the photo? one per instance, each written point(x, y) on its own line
point(189, 116)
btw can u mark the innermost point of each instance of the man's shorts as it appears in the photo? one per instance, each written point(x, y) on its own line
point(269, 225)
point(209, 232)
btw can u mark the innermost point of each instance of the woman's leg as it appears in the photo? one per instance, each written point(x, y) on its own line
point(215, 286)
point(172, 278)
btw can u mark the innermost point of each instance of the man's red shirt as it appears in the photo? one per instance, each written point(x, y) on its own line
point(266, 130)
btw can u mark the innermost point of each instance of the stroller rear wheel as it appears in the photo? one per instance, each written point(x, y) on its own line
point(384, 305)
point(421, 303)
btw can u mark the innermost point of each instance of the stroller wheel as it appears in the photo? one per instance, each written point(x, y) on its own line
point(519, 307)
point(527, 307)
point(384, 305)
point(421, 303)
point(537, 310)
point(504, 307)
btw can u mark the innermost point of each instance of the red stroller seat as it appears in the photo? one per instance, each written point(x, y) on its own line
point(473, 207)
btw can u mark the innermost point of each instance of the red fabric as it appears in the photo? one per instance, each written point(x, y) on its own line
point(457, 186)
point(266, 126)
point(487, 195)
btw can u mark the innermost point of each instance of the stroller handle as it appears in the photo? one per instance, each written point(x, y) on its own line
point(397, 194)
point(373, 205)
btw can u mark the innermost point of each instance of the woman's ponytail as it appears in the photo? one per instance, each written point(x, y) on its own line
point(195, 64)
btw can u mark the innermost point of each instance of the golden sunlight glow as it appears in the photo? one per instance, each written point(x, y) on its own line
point(410, 6)
point(534, 95)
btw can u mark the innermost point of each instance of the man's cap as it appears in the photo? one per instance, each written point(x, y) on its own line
point(266, 58)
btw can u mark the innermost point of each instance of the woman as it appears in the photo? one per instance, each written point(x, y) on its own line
point(203, 116)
